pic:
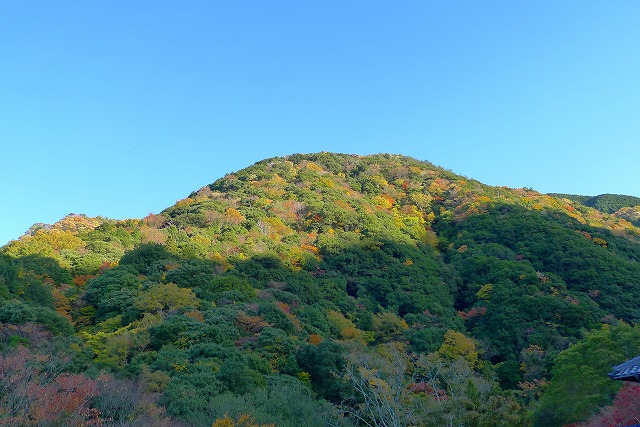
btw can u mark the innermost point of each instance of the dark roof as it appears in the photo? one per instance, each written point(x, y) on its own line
point(627, 371)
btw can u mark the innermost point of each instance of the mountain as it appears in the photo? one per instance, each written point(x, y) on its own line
point(328, 288)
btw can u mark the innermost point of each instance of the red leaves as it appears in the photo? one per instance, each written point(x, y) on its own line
point(428, 389)
point(472, 313)
point(67, 397)
point(35, 392)
point(624, 411)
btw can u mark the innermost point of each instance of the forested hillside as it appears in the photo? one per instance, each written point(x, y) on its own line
point(325, 289)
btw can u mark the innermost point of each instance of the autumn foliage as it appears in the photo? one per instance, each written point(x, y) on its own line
point(241, 421)
point(325, 289)
point(625, 410)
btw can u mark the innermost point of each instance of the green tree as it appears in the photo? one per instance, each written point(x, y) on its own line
point(579, 385)
point(114, 293)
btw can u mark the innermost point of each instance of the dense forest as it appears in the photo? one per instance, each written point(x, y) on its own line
point(327, 289)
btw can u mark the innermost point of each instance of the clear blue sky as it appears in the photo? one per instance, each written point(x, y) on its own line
point(120, 108)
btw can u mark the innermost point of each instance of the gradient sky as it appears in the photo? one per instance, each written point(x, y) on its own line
point(121, 108)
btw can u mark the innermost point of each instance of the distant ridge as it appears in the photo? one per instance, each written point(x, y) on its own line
point(607, 203)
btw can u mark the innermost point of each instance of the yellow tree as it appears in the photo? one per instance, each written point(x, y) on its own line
point(166, 298)
point(457, 345)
